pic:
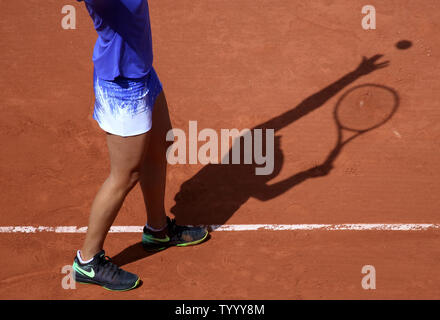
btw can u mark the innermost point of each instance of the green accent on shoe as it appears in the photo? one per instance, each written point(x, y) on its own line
point(89, 274)
point(103, 272)
point(150, 238)
point(180, 236)
point(192, 243)
point(134, 286)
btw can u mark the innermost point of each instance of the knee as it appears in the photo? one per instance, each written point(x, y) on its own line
point(133, 178)
point(125, 181)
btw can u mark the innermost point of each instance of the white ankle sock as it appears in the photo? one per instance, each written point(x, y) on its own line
point(78, 254)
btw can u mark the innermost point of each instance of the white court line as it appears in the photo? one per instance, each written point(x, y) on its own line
point(243, 227)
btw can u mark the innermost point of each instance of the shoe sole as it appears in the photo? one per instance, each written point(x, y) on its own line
point(148, 247)
point(110, 289)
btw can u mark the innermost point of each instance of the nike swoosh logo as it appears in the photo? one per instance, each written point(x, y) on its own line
point(90, 273)
point(149, 237)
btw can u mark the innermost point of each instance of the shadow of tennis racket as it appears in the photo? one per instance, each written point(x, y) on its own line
point(359, 110)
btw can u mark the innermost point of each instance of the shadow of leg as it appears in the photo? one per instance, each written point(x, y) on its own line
point(131, 254)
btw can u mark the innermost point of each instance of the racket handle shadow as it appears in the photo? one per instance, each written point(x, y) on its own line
point(325, 167)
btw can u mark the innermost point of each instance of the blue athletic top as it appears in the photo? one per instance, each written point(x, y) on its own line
point(124, 45)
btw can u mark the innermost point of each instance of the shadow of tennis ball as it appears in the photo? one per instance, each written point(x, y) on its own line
point(403, 44)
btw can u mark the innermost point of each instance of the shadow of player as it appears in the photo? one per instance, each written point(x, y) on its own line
point(217, 191)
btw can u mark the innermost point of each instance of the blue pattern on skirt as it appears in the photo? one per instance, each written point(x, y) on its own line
point(124, 106)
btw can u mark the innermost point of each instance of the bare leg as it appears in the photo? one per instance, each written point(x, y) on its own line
point(153, 171)
point(126, 156)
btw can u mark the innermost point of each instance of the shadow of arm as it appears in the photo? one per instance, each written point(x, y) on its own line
point(320, 98)
point(274, 190)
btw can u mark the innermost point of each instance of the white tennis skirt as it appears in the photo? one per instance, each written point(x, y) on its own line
point(124, 106)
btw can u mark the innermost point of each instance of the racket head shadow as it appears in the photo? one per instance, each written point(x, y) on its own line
point(365, 107)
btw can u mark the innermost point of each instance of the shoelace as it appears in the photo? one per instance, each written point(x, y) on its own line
point(175, 229)
point(107, 264)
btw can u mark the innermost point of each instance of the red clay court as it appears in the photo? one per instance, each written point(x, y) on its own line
point(231, 64)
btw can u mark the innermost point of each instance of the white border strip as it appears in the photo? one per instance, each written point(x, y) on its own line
point(243, 227)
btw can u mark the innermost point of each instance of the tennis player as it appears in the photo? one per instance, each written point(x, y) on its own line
point(130, 106)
